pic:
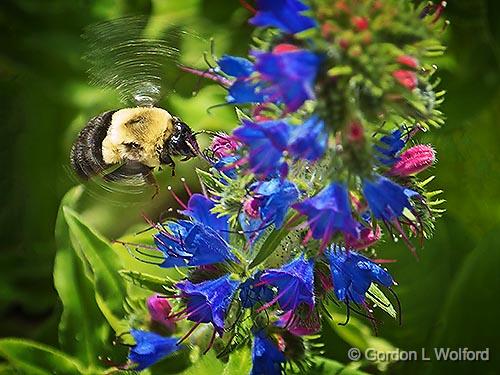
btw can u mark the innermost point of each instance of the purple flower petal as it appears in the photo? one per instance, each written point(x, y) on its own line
point(150, 348)
point(282, 14)
point(208, 301)
point(352, 274)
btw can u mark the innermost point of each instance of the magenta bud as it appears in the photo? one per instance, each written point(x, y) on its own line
point(355, 132)
point(408, 60)
point(224, 145)
point(367, 237)
point(251, 207)
point(361, 23)
point(406, 78)
point(414, 160)
point(159, 310)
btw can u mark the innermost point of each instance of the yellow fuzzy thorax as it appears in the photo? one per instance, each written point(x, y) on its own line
point(147, 127)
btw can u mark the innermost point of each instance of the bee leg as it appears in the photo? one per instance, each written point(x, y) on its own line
point(150, 178)
point(169, 161)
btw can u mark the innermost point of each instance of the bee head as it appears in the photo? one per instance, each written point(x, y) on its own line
point(182, 142)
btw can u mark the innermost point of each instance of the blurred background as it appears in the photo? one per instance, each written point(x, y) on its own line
point(449, 297)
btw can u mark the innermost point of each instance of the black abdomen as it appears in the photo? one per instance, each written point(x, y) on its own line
point(86, 153)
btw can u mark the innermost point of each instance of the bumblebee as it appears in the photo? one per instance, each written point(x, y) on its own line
point(133, 141)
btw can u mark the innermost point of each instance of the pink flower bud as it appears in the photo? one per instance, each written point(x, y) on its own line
point(344, 43)
point(360, 23)
point(284, 48)
point(159, 309)
point(406, 78)
point(414, 160)
point(251, 207)
point(367, 237)
point(223, 145)
point(408, 60)
point(355, 132)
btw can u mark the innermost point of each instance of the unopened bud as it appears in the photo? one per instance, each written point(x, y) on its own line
point(360, 23)
point(159, 309)
point(355, 132)
point(223, 145)
point(408, 60)
point(406, 78)
point(367, 237)
point(414, 160)
point(251, 207)
point(284, 48)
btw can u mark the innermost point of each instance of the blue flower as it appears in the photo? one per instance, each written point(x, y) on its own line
point(208, 301)
point(150, 348)
point(294, 282)
point(276, 196)
point(352, 274)
point(308, 141)
point(266, 142)
point(386, 199)
point(199, 242)
point(251, 294)
point(290, 76)
point(224, 165)
point(391, 146)
point(235, 66)
point(199, 209)
point(245, 91)
point(266, 357)
point(282, 14)
point(329, 212)
point(242, 89)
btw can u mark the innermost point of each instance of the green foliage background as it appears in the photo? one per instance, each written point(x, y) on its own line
point(449, 297)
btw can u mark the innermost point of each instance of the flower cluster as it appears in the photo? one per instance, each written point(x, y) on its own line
point(322, 164)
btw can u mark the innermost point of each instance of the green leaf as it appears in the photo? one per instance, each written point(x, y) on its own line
point(146, 281)
point(102, 266)
point(359, 335)
point(82, 328)
point(270, 244)
point(206, 364)
point(242, 115)
point(240, 362)
point(381, 301)
point(328, 367)
point(36, 359)
point(463, 322)
point(210, 181)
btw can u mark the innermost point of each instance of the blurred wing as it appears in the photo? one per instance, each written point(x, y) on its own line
point(121, 57)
